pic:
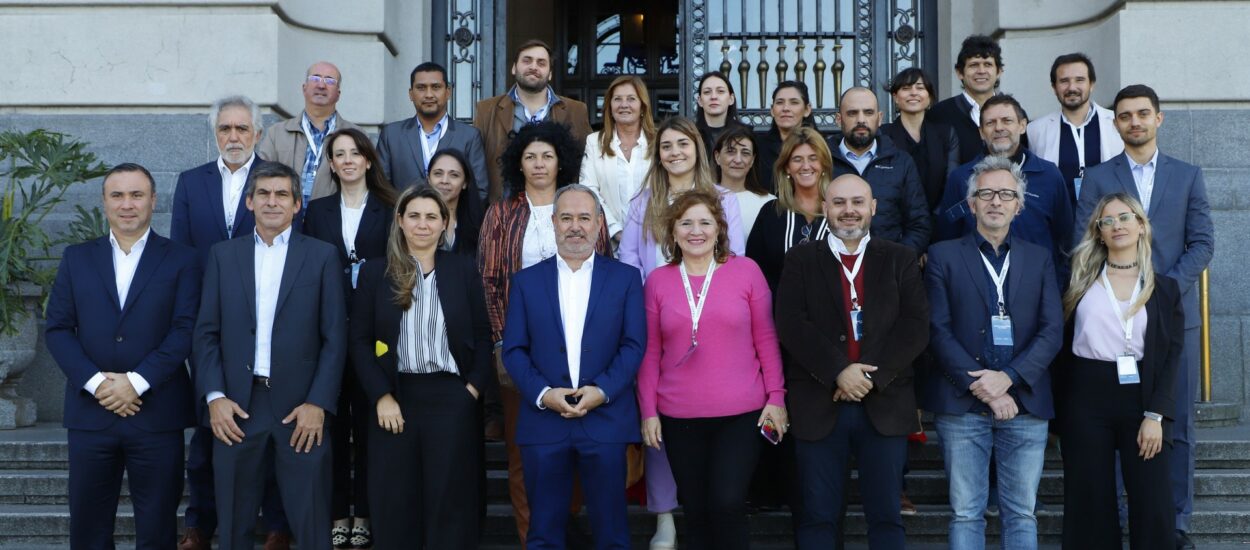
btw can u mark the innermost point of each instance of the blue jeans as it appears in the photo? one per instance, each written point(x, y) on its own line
point(1019, 447)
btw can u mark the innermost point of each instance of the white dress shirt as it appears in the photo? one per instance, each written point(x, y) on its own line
point(975, 113)
point(232, 184)
point(860, 162)
point(351, 222)
point(1144, 177)
point(615, 179)
point(124, 266)
point(574, 290)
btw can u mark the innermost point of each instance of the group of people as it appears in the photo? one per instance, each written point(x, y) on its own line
point(344, 323)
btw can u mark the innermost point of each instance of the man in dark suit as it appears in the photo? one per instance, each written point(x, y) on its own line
point(530, 100)
point(996, 323)
point(849, 384)
point(273, 360)
point(979, 65)
point(119, 325)
point(573, 340)
point(406, 147)
point(1182, 244)
point(209, 208)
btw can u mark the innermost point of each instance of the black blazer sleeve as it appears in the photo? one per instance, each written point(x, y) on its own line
point(363, 330)
point(1167, 348)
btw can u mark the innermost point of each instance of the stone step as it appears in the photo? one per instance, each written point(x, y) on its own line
point(39, 526)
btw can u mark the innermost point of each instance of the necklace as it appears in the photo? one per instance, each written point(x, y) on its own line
point(1118, 266)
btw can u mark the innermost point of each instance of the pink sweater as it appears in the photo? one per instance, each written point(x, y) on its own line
point(737, 366)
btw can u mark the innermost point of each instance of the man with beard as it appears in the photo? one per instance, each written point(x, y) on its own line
point(996, 322)
point(530, 100)
point(1048, 219)
point(1081, 134)
point(902, 213)
point(209, 207)
point(849, 372)
point(406, 147)
point(574, 338)
point(298, 142)
point(979, 67)
point(1182, 244)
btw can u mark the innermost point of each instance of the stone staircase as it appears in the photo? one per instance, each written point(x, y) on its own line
point(34, 511)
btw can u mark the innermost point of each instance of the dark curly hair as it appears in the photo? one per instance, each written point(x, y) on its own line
point(568, 154)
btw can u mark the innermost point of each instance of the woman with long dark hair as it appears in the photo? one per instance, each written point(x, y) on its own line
point(356, 220)
point(717, 108)
point(734, 160)
point(452, 176)
point(791, 108)
point(1115, 390)
point(420, 339)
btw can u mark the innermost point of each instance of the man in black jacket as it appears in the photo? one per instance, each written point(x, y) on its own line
point(979, 66)
point(902, 212)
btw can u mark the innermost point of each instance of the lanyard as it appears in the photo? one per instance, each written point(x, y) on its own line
point(1078, 137)
point(999, 280)
point(1126, 324)
point(850, 277)
point(696, 308)
point(306, 126)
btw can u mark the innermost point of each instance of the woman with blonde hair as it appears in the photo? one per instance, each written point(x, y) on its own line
point(616, 158)
point(1115, 390)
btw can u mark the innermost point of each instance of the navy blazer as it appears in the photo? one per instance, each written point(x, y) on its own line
point(324, 221)
point(955, 278)
point(197, 219)
point(89, 331)
point(401, 147)
point(309, 331)
point(612, 348)
point(376, 318)
point(1183, 236)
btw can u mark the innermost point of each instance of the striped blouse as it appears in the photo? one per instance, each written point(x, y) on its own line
point(423, 347)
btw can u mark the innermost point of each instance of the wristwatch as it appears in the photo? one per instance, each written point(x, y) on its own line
point(1153, 416)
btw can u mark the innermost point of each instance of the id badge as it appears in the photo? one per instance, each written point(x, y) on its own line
point(857, 325)
point(1000, 325)
point(1076, 185)
point(1126, 368)
point(355, 273)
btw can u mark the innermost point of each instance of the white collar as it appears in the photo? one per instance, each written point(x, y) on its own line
point(839, 247)
point(849, 154)
point(138, 245)
point(1089, 115)
point(587, 265)
point(282, 239)
point(1153, 162)
point(246, 168)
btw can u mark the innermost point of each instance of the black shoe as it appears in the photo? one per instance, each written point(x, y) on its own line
point(1183, 542)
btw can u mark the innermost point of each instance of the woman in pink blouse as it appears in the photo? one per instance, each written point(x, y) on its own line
point(711, 382)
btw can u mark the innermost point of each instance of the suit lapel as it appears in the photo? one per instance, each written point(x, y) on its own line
point(370, 218)
point(153, 252)
point(1014, 277)
point(552, 284)
point(295, 254)
point(830, 269)
point(102, 255)
point(212, 196)
point(1159, 186)
point(504, 115)
point(596, 288)
point(1125, 175)
point(245, 253)
point(974, 264)
point(334, 221)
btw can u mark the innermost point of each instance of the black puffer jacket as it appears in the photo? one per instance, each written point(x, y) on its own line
point(902, 210)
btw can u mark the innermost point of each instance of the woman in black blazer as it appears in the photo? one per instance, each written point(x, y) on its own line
point(933, 146)
point(421, 342)
point(451, 174)
point(364, 199)
point(1115, 389)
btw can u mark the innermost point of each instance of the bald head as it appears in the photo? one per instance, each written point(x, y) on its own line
point(322, 84)
point(849, 208)
point(859, 117)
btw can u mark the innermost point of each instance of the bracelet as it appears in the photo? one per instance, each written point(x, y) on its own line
point(1153, 416)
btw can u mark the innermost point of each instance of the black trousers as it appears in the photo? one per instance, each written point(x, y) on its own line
point(712, 461)
point(1102, 416)
point(349, 441)
point(424, 481)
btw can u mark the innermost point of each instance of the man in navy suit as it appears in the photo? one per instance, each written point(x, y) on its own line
point(996, 323)
point(573, 339)
point(1182, 244)
point(119, 325)
point(270, 343)
point(209, 208)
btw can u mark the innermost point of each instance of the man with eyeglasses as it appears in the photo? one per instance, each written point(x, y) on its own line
point(299, 142)
point(1048, 219)
point(1182, 244)
point(996, 322)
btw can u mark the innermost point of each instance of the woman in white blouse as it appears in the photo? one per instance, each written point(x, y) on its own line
point(616, 158)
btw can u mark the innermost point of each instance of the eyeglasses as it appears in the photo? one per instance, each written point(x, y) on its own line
point(1123, 218)
point(1005, 195)
point(807, 234)
point(318, 79)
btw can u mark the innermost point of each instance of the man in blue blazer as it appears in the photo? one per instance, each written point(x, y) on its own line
point(1182, 245)
point(209, 208)
point(119, 325)
point(405, 147)
point(269, 348)
point(573, 339)
point(996, 323)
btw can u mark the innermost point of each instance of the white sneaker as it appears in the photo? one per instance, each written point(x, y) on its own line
point(665, 533)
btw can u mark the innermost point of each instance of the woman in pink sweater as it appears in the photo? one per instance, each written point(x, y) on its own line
point(711, 378)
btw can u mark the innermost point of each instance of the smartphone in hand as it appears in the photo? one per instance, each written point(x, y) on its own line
point(770, 432)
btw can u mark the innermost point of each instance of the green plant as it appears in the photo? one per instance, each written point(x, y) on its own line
point(39, 167)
